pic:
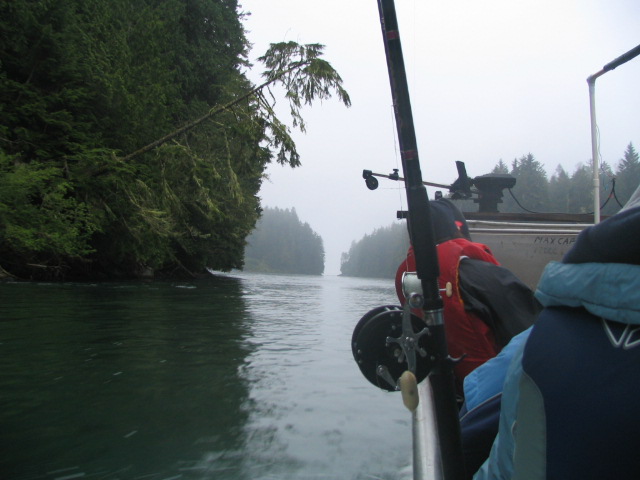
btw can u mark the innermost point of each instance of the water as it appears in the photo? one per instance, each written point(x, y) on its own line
point(239, 376)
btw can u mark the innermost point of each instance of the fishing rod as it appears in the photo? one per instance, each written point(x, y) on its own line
point(591, 80)
point(422, 239)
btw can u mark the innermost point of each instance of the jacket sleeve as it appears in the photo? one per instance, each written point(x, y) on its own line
point(488, 379)
point(498, 297)
point(499, 465)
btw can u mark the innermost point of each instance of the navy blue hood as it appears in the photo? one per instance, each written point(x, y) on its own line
point(614, 240)
point(448, 221)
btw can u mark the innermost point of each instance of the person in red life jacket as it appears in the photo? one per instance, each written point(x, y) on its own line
point(485, 304)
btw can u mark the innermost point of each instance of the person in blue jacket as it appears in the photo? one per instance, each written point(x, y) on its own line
point(480, 413)
point(569, 401)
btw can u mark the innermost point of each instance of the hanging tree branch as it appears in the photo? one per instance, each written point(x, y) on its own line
point(211, 113)
point(304, 75)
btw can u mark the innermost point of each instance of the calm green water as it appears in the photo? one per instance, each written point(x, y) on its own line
point(238, 376)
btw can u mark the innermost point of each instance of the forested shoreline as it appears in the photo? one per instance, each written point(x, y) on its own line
point(282, 243)
point(131, 142)
point(378, 255)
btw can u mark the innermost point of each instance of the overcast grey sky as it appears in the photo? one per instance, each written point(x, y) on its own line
point(489, 80)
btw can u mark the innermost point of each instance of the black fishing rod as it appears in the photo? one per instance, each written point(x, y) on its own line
point(423, 242)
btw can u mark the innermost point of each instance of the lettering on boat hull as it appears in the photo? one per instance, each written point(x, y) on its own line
point(526, 254)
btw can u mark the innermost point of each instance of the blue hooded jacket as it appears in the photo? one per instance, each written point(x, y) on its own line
point(569, 399)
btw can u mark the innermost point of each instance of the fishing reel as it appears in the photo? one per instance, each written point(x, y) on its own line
point(389, 340)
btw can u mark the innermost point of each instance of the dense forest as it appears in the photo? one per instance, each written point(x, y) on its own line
point(132, 142)
point(281, 243)
point(379, 254)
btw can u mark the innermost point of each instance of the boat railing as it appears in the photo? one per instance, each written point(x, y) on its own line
point(487, 226)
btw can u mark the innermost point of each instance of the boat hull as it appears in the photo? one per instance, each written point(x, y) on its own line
point(526, 248)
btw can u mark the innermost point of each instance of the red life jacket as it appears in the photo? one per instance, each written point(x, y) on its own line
point(467, 335)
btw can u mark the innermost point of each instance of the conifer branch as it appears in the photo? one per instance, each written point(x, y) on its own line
point(211, 113)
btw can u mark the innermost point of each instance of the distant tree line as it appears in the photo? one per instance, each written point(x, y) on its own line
point(379, 254)
point(281, 243)
point(564, 192)
point(132, 141)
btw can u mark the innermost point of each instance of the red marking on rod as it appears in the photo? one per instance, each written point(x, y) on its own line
point(409, 154)
point(393, 34)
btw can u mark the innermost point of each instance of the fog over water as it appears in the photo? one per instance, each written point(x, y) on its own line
point(488, 81)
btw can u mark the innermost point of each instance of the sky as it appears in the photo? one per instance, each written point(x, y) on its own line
point(489, 81)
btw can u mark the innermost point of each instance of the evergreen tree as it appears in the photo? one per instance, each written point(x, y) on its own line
point(580, 194)
point(559, 196)
point(281, 243)
point(377, 255)
point(531, 188)
point(500, 168)
point(85, 83)
point(628, 174)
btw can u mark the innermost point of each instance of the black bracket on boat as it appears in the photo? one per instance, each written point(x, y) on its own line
point(488, 189)
point(460, 189)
